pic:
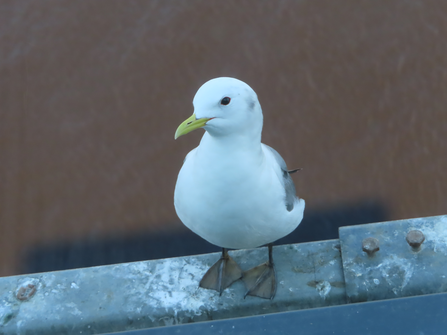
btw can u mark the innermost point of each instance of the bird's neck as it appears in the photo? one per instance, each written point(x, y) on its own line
point(234, 147)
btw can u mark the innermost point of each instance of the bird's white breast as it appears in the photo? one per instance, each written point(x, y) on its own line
point(234, 199)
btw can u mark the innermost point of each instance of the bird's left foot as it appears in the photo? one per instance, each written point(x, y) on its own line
point(260, 281)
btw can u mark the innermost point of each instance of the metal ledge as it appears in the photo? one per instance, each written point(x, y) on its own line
point(423, 315)
point(396, 270)
point(165, 292)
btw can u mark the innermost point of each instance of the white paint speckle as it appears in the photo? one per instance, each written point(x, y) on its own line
point(73, 285)
point(173, 274)
point(389, 269)
point(73, 308)
point(436, 234)
point(173, 285)
point(323, 288)
point(140, 267)
point(20, 324)
point(48, 278)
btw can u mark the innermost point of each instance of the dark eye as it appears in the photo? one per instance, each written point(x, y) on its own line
point(225, 101)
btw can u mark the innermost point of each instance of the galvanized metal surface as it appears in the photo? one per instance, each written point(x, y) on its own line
point(165, 292)
point(423, 315)
point(397, 269)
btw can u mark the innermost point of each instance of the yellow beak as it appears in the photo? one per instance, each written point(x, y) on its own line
point(189, 125)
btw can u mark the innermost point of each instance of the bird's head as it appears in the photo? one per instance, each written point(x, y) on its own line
point(224, 106)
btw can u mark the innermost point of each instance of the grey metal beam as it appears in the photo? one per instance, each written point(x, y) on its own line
point(396, 269)
point(374, 261)
point(165, 292)
point(422, 315)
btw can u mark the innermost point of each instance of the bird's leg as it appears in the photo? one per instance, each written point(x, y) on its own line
point(222, 274)
point(260, 281)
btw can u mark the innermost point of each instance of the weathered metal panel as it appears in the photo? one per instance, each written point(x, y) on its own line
point(165, 292)
point(397, 269)
point(422, 315)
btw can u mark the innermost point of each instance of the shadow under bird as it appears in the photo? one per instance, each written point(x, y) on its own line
point(232, 190)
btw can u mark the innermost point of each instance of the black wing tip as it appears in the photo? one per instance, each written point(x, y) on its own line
point(294, 170)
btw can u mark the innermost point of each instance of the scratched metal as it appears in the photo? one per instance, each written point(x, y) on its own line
point(396, 270)
point(165, 292)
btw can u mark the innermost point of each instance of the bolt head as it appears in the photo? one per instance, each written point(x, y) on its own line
point(415, 238)
point(370, 245)
point(26, 292)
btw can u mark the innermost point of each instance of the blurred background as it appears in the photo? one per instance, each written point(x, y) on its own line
point(91, 93)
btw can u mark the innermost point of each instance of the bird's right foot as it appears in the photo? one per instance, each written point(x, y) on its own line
point(222, 274)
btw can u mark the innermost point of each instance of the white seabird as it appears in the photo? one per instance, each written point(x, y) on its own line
point(232, 190)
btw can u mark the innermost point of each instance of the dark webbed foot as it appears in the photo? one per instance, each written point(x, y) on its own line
point(260, 281)
point(222, 274)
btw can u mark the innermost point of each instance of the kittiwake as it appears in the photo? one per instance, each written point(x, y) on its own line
point(233, 190)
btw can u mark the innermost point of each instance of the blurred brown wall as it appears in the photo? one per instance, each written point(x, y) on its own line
point(91, 93)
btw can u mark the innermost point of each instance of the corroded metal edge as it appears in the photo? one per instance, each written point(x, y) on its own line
point(399, 268)
point(165, 292)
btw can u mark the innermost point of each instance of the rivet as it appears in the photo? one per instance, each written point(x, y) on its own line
point(26, 292)
point(370, 245)
point(415, 238)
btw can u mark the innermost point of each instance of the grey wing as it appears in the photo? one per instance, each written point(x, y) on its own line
point(288, 182)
